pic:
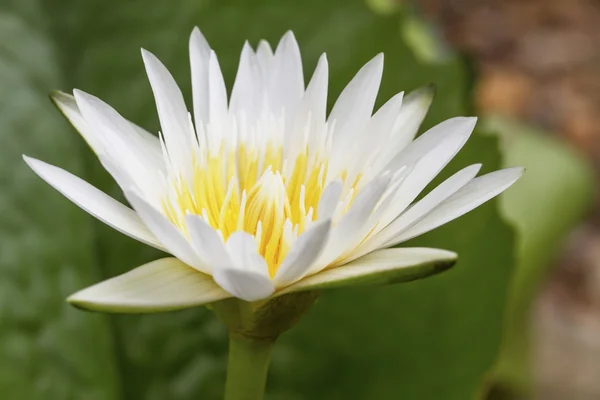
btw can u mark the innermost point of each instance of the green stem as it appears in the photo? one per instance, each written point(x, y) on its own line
point(248, 365)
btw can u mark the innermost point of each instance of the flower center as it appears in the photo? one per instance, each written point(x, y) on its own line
point(256, 191)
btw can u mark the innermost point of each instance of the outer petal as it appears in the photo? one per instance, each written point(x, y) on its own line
point(121, 142)
point(68, 106)
point(378, 268)
point(162, 285)
point(420, 209)
point(472, 195)
point(303, 254)
point(430, 157)
point(95, 202)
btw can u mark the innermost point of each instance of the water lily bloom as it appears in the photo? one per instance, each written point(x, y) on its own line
point(262, 193)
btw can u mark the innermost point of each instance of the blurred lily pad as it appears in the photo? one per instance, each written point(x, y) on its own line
point(550, 199)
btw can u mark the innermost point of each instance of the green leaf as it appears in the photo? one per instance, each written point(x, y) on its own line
point(411, 336)
point(558, 183)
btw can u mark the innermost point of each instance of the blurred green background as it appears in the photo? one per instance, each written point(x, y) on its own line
point(462, 335)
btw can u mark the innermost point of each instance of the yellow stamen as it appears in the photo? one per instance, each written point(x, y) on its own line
point(249, 190)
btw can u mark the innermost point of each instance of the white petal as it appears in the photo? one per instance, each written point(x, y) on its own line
point(458, 128)
point(314, 106)
point(420, 209)
point(199, 56)
point(264, 56)
point(351, 226)
point(247, 276)
point(162, 285)
point(169, 235)
point(245, 95)
point(315, 97)
point(413, 112)
point(384, 118)
point(244, 284)
point(303, 254)
point(121, 142)
point(472, 195)
point(243, 251)
point(287, 83)
point(95, 202)
point(329, 199)
point(378, 268)
point(206, 242)
point(172, 111)
point(354, 106)
point(67, 105)
point(429, 161)
point(216, 91)
point(375, 138)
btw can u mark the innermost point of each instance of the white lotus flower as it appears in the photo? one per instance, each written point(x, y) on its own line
point(263, 195)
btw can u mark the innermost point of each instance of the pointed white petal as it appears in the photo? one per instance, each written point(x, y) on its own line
point(354, 106)
point(408, 120)
point(199, 56)
point(329, 199)
point(95, 202)
point(303, 254)
point(67, 105)
point(375, 139)
point(413, 112)
point(245, 95)
point(385, 117)
point(169, 235)
point(172, 111)
point(120, 141)
point(217, 100)
point(264, 56)
point(287, 83)
point(428, 162)
point(242, 250)
point(351, 226)
point(206, 242)
point(472, 195)
point(454, 129)
point(244, 284)
point(420, 209)
point(162, 285)
point(313, 109)
point(378, 268)
point(315, 97)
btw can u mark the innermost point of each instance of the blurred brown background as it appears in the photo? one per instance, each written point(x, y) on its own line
point(539, 61)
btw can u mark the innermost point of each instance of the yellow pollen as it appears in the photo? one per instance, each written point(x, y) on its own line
point(251, 190)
